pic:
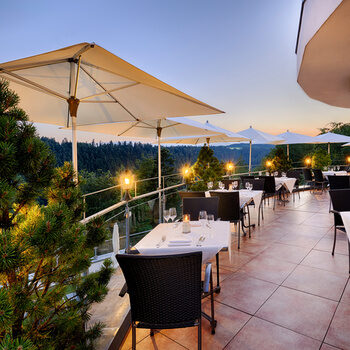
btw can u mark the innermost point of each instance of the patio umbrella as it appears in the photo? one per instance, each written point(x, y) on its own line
point(292, 138)
point(346, 145)
point(86, 84)
point(259, 137)
point(323, 51)
point(218, 135)
point(331, 137)
point(151, 131)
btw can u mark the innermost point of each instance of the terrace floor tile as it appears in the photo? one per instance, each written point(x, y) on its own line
point(301, 312)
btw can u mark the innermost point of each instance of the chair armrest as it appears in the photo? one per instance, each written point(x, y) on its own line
point(207, 276)
point(334, 211)
point(123, 291)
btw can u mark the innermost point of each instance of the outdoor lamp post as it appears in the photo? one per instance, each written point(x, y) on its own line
point(186, 173)
point(229, 168)
point(307, 161)
point(268, 165)
point(348, 159)
point(127, 181)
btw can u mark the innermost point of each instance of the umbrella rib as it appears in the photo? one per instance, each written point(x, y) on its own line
point(26, 85)
point(169, 92)
point(101, 86)
point(36, 85)
point(33, 65)
point(108, 91)
point(83, 50)
point(126, 130)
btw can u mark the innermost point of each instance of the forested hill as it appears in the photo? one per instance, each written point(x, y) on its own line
point(112, 156)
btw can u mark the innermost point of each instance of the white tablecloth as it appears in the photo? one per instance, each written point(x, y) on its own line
point(287, 182)
point(331, 172)
point(216, 238)
point(345, 215)
point(245, 197)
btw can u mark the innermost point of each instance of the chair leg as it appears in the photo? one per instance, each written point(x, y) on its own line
point(349, 253)
point(217, 274)
point(274, 202)
point(239, 233)
point(335, 238)
point(151, 332)
point(298, 193)
point(212, 322)
point(249, 228)
point(200, 334)
point(133, 336)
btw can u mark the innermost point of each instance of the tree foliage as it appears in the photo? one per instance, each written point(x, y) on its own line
point(206, 168)
point(44, 250)
point(280, 161)
point(320, 159)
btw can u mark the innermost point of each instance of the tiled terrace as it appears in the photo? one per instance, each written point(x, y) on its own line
point(282, 290)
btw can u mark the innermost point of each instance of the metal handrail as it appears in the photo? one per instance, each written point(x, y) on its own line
point(121, 203)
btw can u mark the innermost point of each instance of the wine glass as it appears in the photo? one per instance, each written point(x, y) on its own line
point(166, 215)
point(284, 174)
point(210, 185)
point(250, 187)
point(235, 185)
point(247, 185)
point(203, 217)
point(172, 214)
point(210, 219)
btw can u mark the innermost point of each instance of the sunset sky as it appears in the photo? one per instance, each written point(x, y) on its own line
point(235, 55)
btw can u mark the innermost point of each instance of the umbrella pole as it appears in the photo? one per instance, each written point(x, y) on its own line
point(159, 133)
point(74, 147)
point(329, 148)
point(250, 157)
point(288, 151)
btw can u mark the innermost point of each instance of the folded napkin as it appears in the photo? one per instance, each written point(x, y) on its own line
point(179, 244)
point(180, 239)
point(195, 224)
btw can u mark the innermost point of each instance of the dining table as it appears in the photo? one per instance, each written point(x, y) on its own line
point(286, 182)
point(333, 172)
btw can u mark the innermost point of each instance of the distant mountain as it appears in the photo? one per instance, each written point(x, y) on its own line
point(111, 156)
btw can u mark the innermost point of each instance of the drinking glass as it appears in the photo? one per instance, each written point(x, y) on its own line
point(247, 185)
point(235, 185)
point(166, 215)
point(284, 174)
point(210, 185)
point(221, 185)
point(210, 219)
point(250, 186)
point(172, 213)
point(203, 217)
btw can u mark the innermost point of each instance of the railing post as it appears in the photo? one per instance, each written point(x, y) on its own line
point(127, 228)
point(84, 203)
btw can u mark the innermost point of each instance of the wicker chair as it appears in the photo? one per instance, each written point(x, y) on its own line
point(308, 178)
point(230, 209)
point(296, 174)
point(338, 183)
point(269, 189)
point(259, 185)
point(193, 206)
point(341, 202)
point(320, 181)
point(165, 291)
point(245, 179)
point(227, 183)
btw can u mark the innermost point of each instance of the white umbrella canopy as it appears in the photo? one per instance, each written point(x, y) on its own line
point(346, 145)
point(323, 51)
point(86, 84)
point(292, 138)
point(149, 131)
point(259, 137)
point(331, 137)
point(215, 134)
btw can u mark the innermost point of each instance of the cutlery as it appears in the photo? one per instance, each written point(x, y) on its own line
point(161, 241)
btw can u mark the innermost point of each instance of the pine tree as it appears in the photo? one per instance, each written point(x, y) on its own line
point(44, 250)
point(207, 168)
